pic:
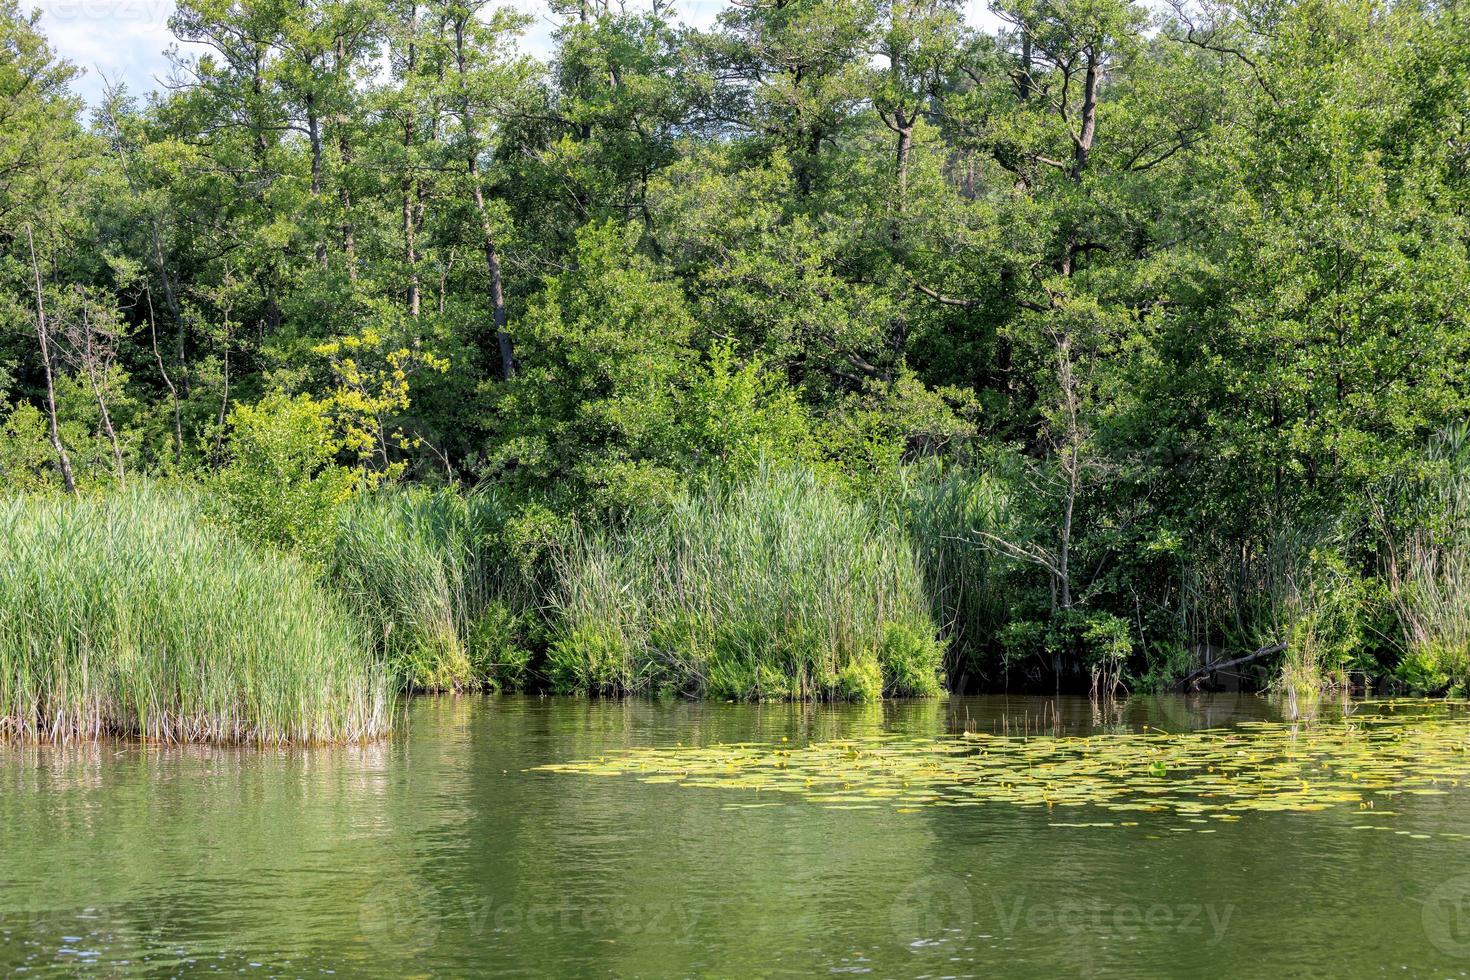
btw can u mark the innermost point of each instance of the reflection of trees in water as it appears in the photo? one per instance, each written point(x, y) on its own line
point(1031, 715)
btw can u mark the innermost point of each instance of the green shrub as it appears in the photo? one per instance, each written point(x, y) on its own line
point(282, 485)
point(129, 615)
point(770, 589)
point(1435, 670)
point(591, 659)
point(907, 660)
point(1099, 641)
point(500, 646)
point(27, 461)
point(859, 681)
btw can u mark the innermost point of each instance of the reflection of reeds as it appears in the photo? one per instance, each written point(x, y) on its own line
point(127, 615)
point(778, 588)
point(130, 835)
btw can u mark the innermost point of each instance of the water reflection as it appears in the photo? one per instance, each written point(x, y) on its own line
point(445, 850)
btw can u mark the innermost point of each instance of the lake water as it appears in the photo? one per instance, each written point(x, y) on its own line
point(449, 850)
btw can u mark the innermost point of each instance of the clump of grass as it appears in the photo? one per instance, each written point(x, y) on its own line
point(423, 571)
point(1425, 524)
point(944, 514)
point(128, 615)
point(1296, 593)
point(1318, 607)
point(773, 589)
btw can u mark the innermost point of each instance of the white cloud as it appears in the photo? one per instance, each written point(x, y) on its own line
point(122, 39)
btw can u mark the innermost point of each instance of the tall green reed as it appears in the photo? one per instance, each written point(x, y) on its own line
point(129, 615)
point(944, 513)
point(1424, 521)
point(427, 573)
point(774, 588)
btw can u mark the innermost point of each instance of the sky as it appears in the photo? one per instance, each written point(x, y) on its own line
point(126, 40)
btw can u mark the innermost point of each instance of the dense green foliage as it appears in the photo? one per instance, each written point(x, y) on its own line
point(1138, 326)
point(129, 616)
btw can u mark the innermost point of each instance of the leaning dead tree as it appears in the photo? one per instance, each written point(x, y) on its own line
point(91, 334)
point(63, 461)
point(1200, 673)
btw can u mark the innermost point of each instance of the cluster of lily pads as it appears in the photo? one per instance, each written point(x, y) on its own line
point(1362, 760)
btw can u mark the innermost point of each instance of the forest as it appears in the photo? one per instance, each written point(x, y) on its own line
point(839, 349)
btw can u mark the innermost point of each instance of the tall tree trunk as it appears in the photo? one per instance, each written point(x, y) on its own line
point(109, 431)
point(344, 192)
point(314, 138)
point(487, 231)
point(1071, 455)
point(63, 461)
point(903, 127)
point(171, 300)
point(905, 132)
point(410, 248)
point(410, 180)
point(268, 280)
point(1071, 463)
point(497, 288)
point(1082, 139)
point(168, 287)
point(224, 398)
point(806, 169)
point(1024, 88)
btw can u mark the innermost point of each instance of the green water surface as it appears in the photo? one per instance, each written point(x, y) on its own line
point(447, 850)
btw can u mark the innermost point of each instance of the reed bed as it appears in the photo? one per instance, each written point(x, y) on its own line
point(774, 589)
point(1425, 525)
point(426, 574)
point(944, 515)
point(128, 615)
